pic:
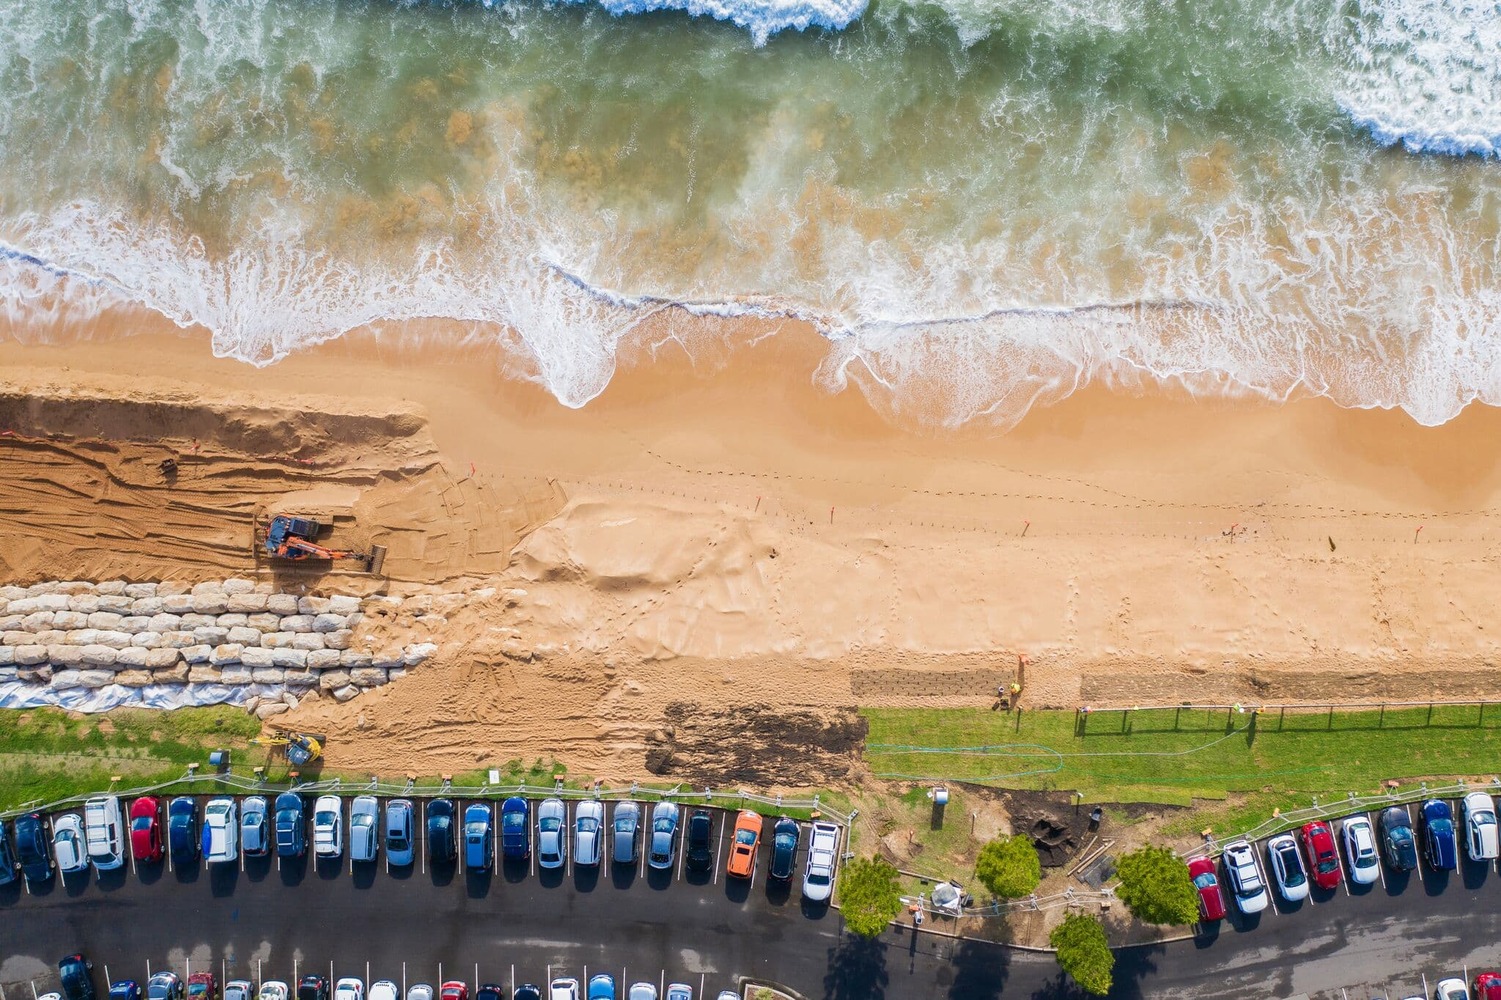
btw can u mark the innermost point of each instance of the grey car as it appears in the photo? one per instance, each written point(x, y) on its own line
point(364, 822)
point(552, 833)
point(626, 819)
point(588, 825)
point(399, 820)
point(664, 833)
point(255, 830)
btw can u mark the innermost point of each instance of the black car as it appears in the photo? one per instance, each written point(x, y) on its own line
point(182, 830)
point(312, 988)
point(441, 844)
point(784, 847)
point(291, 826)
point(31, 847)
point(489, 991)
point(1398, 839)
point(699, 856)
point(527, 992)
point(9, 869)
point(77, 983)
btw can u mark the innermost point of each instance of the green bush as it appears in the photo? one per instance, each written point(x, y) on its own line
point(868, 896)
point(1084, 953)
point(1156, 888)
point(1009, 867)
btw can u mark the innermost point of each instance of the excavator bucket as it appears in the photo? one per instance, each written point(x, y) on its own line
point(377, 559)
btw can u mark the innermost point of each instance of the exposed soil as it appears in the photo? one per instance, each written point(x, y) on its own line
point(757, 746)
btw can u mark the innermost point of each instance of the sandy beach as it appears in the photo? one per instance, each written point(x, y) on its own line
point(714, 547)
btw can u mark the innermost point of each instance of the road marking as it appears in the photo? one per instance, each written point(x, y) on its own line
point(683, 854)
point(701, 984)
point(513, 978)
point(1376, 843)
point(719, 848)
point(568, 813)
point(476, 977)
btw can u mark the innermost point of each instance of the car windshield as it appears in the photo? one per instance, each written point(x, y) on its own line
point(745, 836)
point(663, 825)
point(1440, 826)
point(476, 829)
point(1204, 881)
point(550, 824)
point(1485, 818)
point(588, 824)
point(141, 823)
point(818, 878)
point(514, 821)
point(325, 818)
point(157, 991)
point(625, 824)
point(1328, 865)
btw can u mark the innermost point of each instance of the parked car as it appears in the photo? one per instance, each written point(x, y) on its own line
point(454, 989)
point(74, 970)
point(182, 829)
point(626, 822)
point(818, 876)
point(646, 991)
point(515, 829)
point(104, 832)
point(274, 989)
point(488, 991)
point(419, 991)
point(1488, 986)
point(602, 987)
point(1245, 877)
point(312, 988)
point(291, 826)
point(384, 989)
point(10, 868)
point(203, 986)
point(255, 831)
point(728, 995)
point(1398, 840)
point(478, 831)
point(125, 989)
point(588, 830)
point(146, 829)
point(679, 991)
point(698, 849)
point(1360, 850)
point(1480, 827)
point(1287, 869)
point(1438, 829)
point(1318, 849)
point(1207, 885)
point(67, 844)
point(1451, 989)
point(239, 989)
point(563, 989)
point(526, 991)
point(221, 832)
point(742, 860)
point(364, 830)
point(32, 849)
point(441, 846)
point(349, 988)
point(784, 837)
point(328, 827)
point(552, 841)
point(164, 986)
point(664, 832)
point(399, 813)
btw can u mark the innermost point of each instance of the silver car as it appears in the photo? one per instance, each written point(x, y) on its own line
point(1286, 863)
point(239, 989)
point(255, 829)
point(274, 989)
point(419, 991)
point(364, 828)
point(552, 838)
point(664, 832)
point(588, 826)
point(328, 827)
point(68, 844)
point(643, 991)
point(626, 822)
point(823, 847)
point(1360, 849)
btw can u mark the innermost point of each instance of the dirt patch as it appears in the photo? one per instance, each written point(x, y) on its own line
point(757, 746)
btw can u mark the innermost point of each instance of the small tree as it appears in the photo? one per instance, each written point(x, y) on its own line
point(1009, 867)
point(1156, 888)
point(868, 896)
point(1084, 953)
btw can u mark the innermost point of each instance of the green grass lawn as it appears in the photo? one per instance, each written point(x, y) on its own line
point(1174, 756)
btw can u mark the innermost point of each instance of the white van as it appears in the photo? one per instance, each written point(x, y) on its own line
point(104, 832)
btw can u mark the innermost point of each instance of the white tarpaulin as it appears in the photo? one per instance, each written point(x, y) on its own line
point(18, 694)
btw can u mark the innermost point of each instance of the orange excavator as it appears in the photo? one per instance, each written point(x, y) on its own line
point(292, 537)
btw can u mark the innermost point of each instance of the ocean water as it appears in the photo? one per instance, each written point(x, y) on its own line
point(982, 204)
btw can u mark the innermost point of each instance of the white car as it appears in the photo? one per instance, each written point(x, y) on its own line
point(419, 991)
point(68, 844)
point(221, 831)
point(274, 989)
point(1451, 989)
point(239, 989)
point(1360, 850)
point(384, 989)
point(823, 853)
point(328, 827)
point(563, 989)
point(1480, 827)
point(588, 831)
point(1245, 878)
point(642, 991)
point(1286, 863)
point(349, 988)
point(104, 832)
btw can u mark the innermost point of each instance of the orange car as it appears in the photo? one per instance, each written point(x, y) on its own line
point(743, 850)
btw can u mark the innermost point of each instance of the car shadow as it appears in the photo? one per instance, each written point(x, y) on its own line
point(737, 890)
point(9, 894)
point(515, 870)
point(75, 884)
point(1362, 888)
point(222, 879)
point(1285, 906)
point(328, 869)
point(1436, 882)
point(658, 878)
point(1206, 933)
point(442, 872)
point(549, 878)
point(623, 876)
point(477, 882)
point(293, 870)
point(187, 872)
point(1474, 873)
point(778, 891)
point(401, 872)
point(364, 874)
point(585, 877)
point(114, 878)
point(257, 867)
point(45, 888)
point(1243, 922)
point(1397, 881)
point(813, 909)
point(150, 872)
point(1321, 895)
point(700, 876)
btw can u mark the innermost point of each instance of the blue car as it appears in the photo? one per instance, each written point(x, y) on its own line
point(9, 869)
point(399, 815)
point(125, 989)
point(1438, 825)
point(291, 826)
point(182, 830)
point(515, 829)
point(478, 830)
point(601, 987)
point(78, 984)
point(31, 847)
point(440, 847)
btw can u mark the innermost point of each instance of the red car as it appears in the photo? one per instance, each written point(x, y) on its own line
point(454, 990)
point(1323, 861)
point(203, 986)
point(1211, 903)
point(146, 829)
point(1488, 986)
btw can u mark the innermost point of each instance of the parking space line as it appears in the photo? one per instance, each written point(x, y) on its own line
point(646, 841)
point(682, 855)
point(458, 848)
point(1376, 842)
point(1339, 857)
point(663, 980)
point(702, 983)
point(513, 978)
point(422, 841)
point(494, 842)
point(719, 849)
point(476, 977)
point(567, 833)
point(345, 810)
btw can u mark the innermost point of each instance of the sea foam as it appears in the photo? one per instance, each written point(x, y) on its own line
point(762, 18)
